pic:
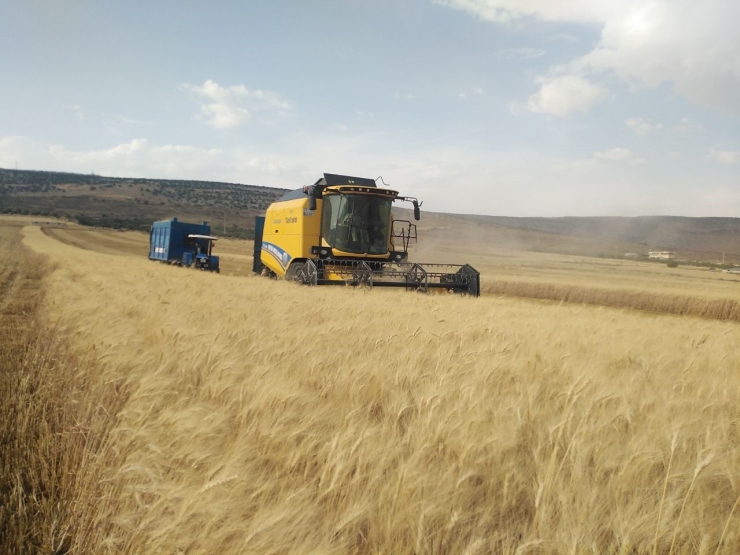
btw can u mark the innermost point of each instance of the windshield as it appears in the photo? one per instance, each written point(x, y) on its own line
point(356, 223)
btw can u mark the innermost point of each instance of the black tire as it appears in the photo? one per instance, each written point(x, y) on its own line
point(295, 271)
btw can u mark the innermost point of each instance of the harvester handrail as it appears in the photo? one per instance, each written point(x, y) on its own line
point(405, 238)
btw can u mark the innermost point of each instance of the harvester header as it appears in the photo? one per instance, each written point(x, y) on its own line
point(341, 231)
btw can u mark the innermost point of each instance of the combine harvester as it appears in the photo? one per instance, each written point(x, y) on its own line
point(183, 244)
point(340, 231)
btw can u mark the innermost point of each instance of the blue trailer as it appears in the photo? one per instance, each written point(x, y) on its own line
point(183, 244)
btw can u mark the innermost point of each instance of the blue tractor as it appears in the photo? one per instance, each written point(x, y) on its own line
point(183, 244)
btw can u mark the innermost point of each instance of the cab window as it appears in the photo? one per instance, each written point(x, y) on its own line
point(356, 223)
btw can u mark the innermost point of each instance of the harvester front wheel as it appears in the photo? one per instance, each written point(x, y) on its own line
point(295, 271)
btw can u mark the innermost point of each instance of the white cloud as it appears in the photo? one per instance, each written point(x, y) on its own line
point(79, 114)
point(686, 126)
point(724, 156)
point(505, 11)
point(614, 155)
point(227, 107)
point(119, 125)
point(516, 107)
point(464, 95)
point(304, 160)
point(534, 185)
point(642, 127)
point(128, 121)
point(691, 44)
point(561, 96)
point(519, 53)
point(17, 150)
point(564, 37)
point(130, 159)
point(403, 96)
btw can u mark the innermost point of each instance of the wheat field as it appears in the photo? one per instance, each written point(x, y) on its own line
point(235, 414)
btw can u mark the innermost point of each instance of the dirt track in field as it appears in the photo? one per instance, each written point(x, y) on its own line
point(235, 255)
point(19, 282)
point(129, 243)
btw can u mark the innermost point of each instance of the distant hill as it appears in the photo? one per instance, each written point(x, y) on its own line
point(669, 232)
point(135, 202)
point(691, 238)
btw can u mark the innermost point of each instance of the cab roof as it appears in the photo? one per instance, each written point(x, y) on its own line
point(361, 189)
point(330, 179)
point(341, 184)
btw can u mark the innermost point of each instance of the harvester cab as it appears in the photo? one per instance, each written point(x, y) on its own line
point(341, 230)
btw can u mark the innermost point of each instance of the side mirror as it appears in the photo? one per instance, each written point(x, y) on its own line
point(417, 212)
point(311, 199)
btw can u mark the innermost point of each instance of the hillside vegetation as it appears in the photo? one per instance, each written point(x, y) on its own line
point(133, 203)
point(258, 416)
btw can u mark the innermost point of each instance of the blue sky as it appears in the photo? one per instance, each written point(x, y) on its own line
point(505, 107)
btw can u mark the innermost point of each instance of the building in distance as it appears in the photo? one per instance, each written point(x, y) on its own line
point(662, 255)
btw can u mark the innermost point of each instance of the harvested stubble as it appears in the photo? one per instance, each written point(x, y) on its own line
point(235, 255)
point(268, 418)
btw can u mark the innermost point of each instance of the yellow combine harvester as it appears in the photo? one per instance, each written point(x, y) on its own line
point(340, 231)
